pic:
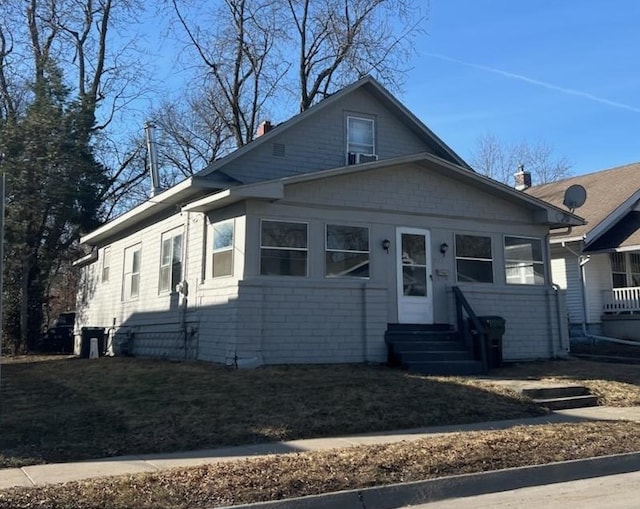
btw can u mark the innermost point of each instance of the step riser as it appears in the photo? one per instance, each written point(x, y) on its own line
point(567, 403)
point(420, 336)
point(428, 346)
point(434, 356)
point(555, 392)
point(446, 368)
point(428, 327)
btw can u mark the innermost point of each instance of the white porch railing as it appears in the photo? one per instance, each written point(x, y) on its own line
point(621, 300)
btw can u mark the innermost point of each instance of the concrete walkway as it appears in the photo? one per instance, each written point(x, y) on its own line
point(37, 475)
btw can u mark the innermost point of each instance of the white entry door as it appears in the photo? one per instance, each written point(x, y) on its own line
point(415, 300)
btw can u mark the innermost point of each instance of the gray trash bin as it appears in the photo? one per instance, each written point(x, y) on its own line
point(494, 331)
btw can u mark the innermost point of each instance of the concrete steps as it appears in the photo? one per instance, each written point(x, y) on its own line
point(561, 397)
point(430, 349)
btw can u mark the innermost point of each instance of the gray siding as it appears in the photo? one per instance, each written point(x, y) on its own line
point(534, 328)
point(319, 142)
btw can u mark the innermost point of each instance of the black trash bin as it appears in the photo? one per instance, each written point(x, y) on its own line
point(494, 331)
point(85, 344)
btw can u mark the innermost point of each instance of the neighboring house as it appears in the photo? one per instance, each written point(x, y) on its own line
point(302, 246)
point(598, 264)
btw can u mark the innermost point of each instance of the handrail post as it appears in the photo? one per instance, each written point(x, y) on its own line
point(478, 333)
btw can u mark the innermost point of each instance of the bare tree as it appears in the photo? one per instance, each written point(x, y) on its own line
point(500, 161)
point(236, 51)
point(339, 41)
point(191, 135)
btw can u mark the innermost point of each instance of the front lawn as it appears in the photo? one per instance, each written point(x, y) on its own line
point(56, 409)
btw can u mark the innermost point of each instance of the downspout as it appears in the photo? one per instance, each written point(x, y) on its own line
point(582, 261)
point(184, 289)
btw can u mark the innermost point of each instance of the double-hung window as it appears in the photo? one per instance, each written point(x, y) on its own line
point(625, 270)
point(106, 263)
point(523, 261)
point(474, 260)
point(360, 136)
point(347, 251)
point(131, 274)
point(170, 260)
point(222, 259)
point(283, 248)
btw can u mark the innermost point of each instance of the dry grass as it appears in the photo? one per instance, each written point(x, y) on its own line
point(280, 477)
point(614, 384)
point(63, 409)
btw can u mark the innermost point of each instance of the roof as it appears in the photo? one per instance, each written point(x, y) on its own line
point(381, 93)
point(611, 196)
point(544, 212)
point(212, 187)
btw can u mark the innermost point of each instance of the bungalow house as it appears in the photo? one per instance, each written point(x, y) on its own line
point(598, 264)
point(306, 244)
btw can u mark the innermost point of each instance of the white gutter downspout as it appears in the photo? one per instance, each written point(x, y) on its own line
point(582, 261)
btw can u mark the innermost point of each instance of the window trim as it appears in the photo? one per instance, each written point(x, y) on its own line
point(171, 234)
point(372, 122)
point(328, 250)
point(106, 264)
point(305, 249)
point(127, 276)
point(533, 262)
point(231, 247)
point(469, 258)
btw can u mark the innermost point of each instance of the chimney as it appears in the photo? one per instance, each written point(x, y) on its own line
point(523, 179)
point(152, 156)
point(264, 128)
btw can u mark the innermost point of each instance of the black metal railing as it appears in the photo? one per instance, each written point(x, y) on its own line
point(477, 330)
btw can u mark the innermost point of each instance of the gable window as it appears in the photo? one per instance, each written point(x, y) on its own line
point(170, 260)
point(283, 248)
point(131, 273)
point(222, 259)
point(106, 263)
point(360, 136)
point(523, 261)
point(625, 270)
point(474, 261)
point(347, 251)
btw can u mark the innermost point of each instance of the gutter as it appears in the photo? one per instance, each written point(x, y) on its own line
point(582, 261)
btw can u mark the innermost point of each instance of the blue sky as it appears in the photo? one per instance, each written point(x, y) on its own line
point(566, 72)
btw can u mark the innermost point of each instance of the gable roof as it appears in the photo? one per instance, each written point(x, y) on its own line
point(368, 83)
point(612, 197)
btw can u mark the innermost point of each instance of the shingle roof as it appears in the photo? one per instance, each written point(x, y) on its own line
point(607, 191)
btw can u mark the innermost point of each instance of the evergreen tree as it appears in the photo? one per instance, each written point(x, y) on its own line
point(53, 188)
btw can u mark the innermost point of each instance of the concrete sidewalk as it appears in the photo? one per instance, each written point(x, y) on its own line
point(37, 475)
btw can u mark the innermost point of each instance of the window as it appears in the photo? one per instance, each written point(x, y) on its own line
point(170, 261)
point(283, 249)
point(106, 262)
point(625, 270)
point(523, 261)
point(474, 262)
point(222, 260)
point(347, 251)
point(360, 136)
point(131, 274)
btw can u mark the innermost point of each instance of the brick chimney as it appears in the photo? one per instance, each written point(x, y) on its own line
point(523, 179)
point(264, 128)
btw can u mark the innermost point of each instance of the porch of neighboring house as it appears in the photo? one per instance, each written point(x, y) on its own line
point(621, 304)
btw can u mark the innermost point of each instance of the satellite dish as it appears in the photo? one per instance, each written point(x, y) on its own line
point(574, 197)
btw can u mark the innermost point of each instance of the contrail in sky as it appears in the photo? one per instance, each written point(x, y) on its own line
point(539, 83)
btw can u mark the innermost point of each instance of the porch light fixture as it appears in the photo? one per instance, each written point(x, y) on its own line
point(386, 244)
point(444, 247)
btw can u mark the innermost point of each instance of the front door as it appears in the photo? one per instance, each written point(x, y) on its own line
point(415, 301)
